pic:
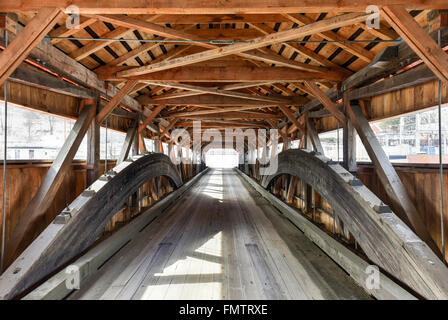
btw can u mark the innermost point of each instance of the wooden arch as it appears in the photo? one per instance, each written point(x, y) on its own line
point(88, 213)
point(385, 239)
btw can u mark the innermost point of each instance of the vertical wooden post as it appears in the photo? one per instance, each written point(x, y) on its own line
point(129, 142)
point(291, 190)
point(312, 137)
point(308, 199)
point(348, 140)
point(135, 144)
point(171, 150)
point(93, 149)
point(141, 143)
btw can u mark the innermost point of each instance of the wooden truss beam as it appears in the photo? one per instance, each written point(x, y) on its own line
point(314, 137)
point(217, 101)
point(393, 186)
point(226, 74)
point(326, 102)
point(94, 46)
point(141, 143)
point(222, 124)
point(27, 39)
point(353, 48)
point(128, 141)
point(348, 139)
point(392, 59)
point(93, 148)
point(188, 93)
point(214, 111)
point(31, 77)
point(298, 123)
point(227, 7)
point(302, 50)
point(170, 33)
point(150, 118)
point(278, 60)
point(227, 93)
point(115, 101)
point(319, 26)
point(63, 31)
point(64, 66)
point(150, 28)
point(237, 115)
point(36, 208)
point(144, 48)
point(166, 131)
point(418, 39)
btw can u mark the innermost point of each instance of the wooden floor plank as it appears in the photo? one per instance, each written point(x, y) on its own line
point(221, 241)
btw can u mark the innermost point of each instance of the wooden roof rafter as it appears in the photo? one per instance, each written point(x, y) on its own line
point(285, 65)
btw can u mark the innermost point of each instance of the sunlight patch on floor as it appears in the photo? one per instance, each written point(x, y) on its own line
point(195, 277)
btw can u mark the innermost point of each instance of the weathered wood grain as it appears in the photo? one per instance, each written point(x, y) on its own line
point(385, 239)
point(89, 212)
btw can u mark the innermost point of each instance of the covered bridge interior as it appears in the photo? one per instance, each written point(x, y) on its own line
point(334, 113)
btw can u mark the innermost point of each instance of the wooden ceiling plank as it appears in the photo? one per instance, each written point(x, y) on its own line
point(148, 46)
point(94, 46)
point(63, 31)
point(303, 88)
point(151, 28)
point(353, 48)
point(170, 33)
point(383, 32)
point(302, 50)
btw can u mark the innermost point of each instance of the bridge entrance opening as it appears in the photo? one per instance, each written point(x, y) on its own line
point(221, 158)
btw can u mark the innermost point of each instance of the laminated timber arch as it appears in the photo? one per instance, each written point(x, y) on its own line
point(385, 239)
point(88, 213)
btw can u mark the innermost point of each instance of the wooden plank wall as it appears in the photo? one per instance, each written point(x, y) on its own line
point(423, 185)
point(421, 181)
point(53, 103)
point(395, 103)
point(24, 178)
point(42, 100)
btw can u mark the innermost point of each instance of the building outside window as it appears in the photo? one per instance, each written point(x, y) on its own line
point(410, 138)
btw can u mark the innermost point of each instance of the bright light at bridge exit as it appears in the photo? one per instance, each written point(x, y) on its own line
point(221, 158)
